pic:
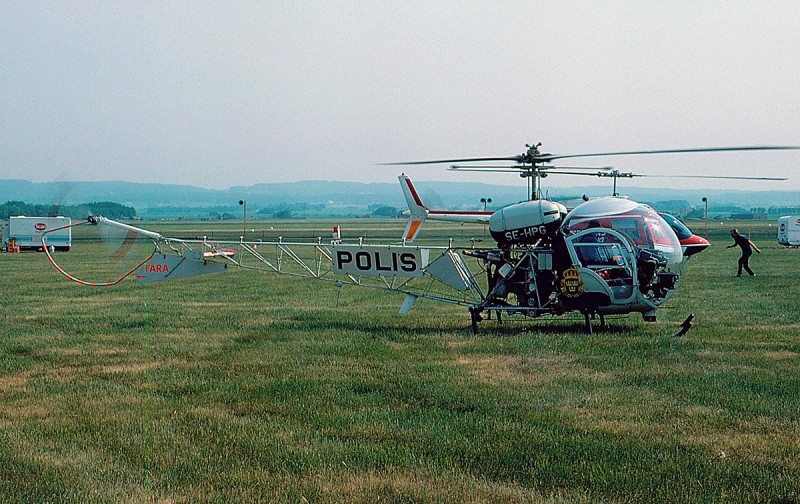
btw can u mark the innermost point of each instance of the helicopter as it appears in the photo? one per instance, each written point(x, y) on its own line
point(609, 255)
point(606, 256)
point(418, 213)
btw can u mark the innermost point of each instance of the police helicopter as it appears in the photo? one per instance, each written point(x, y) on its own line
point(610, 255)
point(418, 213)
point(606, 256)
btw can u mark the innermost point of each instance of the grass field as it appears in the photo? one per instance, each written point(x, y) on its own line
point(248, 387)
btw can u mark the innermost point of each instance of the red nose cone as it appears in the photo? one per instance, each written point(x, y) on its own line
point(694, 245)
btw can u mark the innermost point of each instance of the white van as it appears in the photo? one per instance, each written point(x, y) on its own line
point(789, 230)
point(28, 231)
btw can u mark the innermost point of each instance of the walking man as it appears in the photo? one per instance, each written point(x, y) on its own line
point(747, 247)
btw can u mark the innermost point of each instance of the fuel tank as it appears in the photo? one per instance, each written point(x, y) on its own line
point(526, 222)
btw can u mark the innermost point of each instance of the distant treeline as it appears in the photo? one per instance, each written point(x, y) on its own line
point(781, 210)
point(78, 212)
point(773, 210)
point(278, 211)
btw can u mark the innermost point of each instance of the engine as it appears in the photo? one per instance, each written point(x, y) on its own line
point(523, 278)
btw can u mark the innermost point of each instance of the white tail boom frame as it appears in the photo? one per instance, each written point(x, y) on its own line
point(437, 273)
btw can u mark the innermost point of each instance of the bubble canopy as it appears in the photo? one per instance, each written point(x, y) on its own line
point(637, 221)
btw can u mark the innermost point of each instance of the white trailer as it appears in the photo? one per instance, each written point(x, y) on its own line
point(789, 230)
point(27, 232)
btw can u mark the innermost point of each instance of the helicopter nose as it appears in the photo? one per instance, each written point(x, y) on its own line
point(693, 245)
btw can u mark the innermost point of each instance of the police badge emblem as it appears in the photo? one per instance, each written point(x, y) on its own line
point(572, 283)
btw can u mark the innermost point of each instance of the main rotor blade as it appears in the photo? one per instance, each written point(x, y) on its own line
point(544, 158)
point(465, 160)
point(542, 168)
point(493, 169)
point(588, 168)
point(714, 177)
point(597, 174)
point(632, 175)
point(550, 157)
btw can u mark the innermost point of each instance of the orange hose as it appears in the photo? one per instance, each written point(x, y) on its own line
point(78, 280)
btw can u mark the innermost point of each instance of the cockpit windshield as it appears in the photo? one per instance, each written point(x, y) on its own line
point(638, 222)
point(679, 227)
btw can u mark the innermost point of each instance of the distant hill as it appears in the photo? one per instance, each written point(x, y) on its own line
point(148, 198)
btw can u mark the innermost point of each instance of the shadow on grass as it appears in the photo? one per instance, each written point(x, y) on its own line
point(321, 320)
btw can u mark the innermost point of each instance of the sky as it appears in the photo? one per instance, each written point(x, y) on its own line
point(221, 94)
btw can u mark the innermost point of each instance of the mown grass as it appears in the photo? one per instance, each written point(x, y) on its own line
point(243, 387)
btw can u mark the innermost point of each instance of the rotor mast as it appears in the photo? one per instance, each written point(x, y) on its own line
point(532, 172)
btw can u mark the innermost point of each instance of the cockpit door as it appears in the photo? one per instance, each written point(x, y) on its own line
point(605, 255)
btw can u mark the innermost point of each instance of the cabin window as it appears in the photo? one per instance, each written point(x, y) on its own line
point(593, 255)
point(656, 229)
point(628, 227)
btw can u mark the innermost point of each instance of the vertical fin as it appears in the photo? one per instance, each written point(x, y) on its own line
point(417, 211)
point(407, 304)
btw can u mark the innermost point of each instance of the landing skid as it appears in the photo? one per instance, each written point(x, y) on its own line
point(587, 317)
point(476, 318)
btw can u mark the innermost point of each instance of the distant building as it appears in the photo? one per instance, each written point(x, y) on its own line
point(750, 216)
